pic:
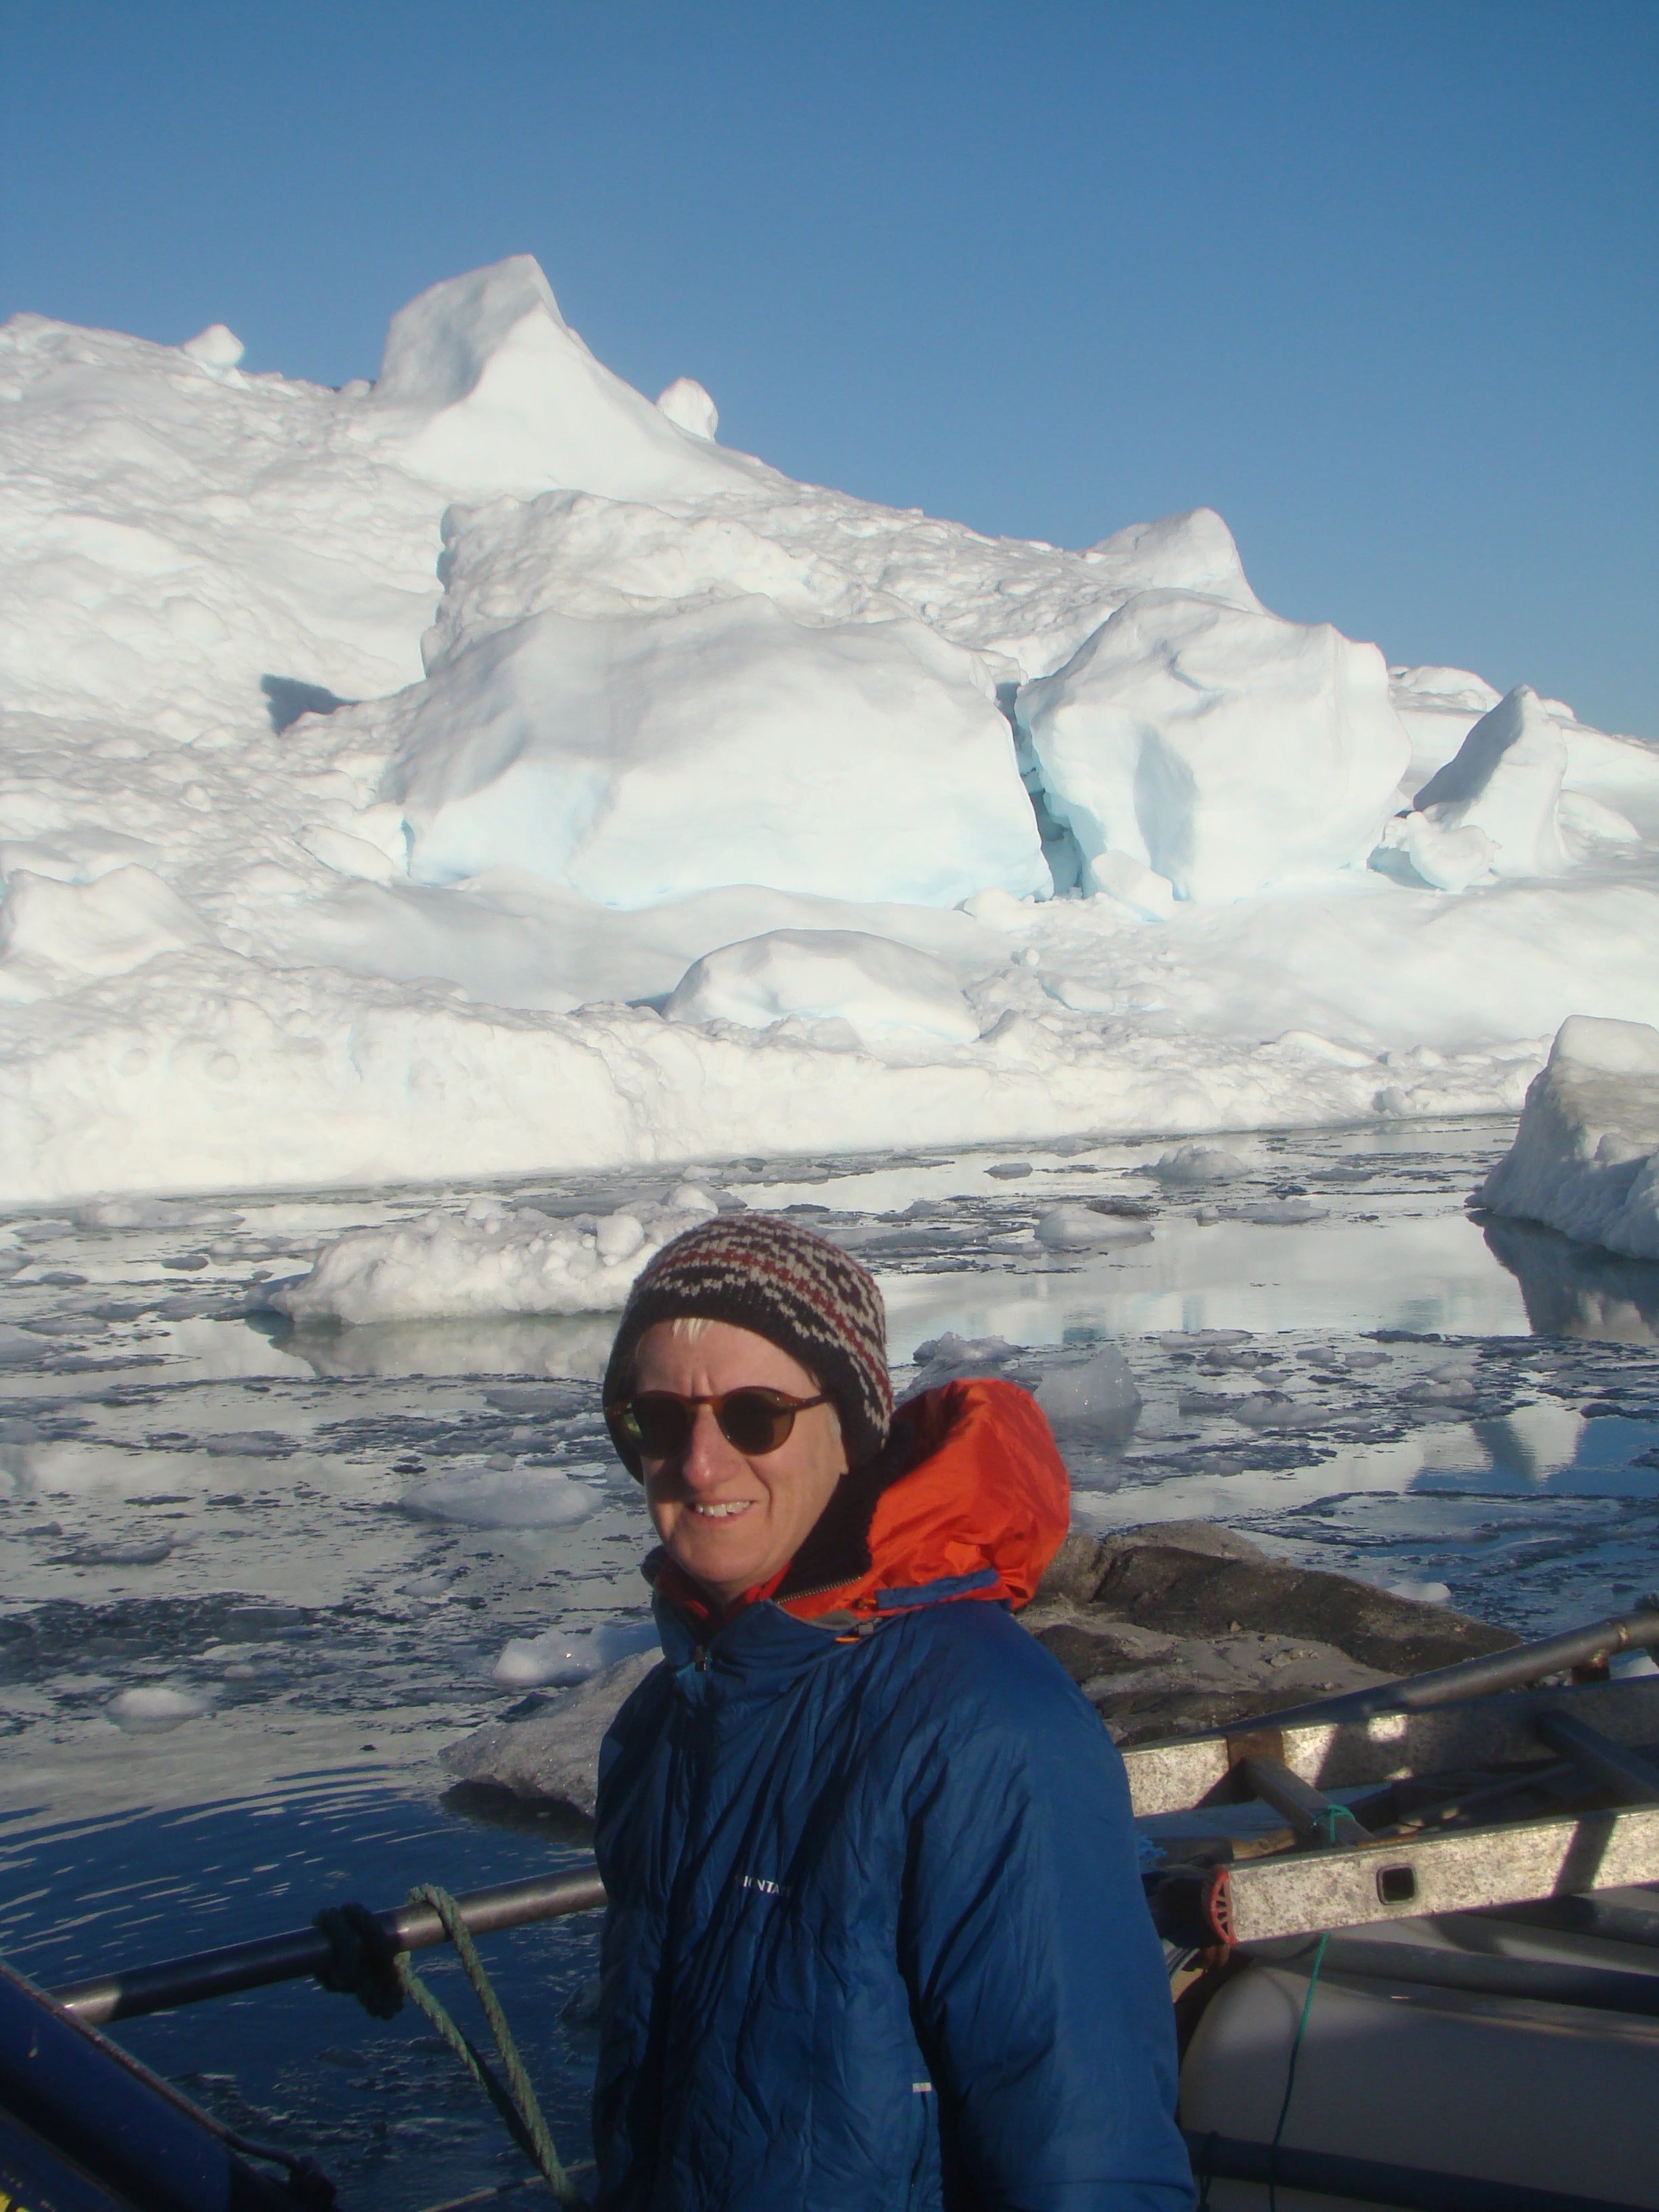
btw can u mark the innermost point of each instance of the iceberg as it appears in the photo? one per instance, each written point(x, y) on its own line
point(464, 775)
point(1585, 1158)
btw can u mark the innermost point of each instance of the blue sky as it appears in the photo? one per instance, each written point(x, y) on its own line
point(1378, 280)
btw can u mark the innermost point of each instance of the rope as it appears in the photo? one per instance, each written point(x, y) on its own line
point(1290, 2077)
point(515, 2101)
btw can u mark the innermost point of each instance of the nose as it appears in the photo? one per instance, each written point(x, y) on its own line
point(708, 1459)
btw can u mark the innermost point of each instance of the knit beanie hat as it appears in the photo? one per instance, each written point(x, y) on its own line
point(797, 1290)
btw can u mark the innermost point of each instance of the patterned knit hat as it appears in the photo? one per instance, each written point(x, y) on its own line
point(798, 1291)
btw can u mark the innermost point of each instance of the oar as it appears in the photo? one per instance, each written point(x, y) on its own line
point(1476, 1678)
point(303, 1951)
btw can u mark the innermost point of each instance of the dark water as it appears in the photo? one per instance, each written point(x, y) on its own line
point(312, 1551)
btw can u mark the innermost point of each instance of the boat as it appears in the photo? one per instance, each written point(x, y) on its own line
point(1414, 1951)
point(1413, 1934)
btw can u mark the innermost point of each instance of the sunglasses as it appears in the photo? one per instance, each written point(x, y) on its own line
point(658, 1424)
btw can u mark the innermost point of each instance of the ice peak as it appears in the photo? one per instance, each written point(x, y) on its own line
point(439, 346)
point(490, 391)
point(214, 348)
point(686, 402)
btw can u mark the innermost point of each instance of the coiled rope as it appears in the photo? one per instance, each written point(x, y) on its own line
point(367, 1964)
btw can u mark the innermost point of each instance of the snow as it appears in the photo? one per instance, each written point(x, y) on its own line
point(868, 982)
point(484, 771)
point(492, 1259)
point(1585, 1158)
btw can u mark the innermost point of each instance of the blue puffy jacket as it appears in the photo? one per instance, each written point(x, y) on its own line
point(875, 1937)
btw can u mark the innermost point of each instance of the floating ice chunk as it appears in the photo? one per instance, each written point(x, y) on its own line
point(107, 927)
point(873, 982)
point(658, 755)
point(1093, 1399)
point(1189, 1164)
point(19, 1348)
point(500, 1497)
point(686, 402)
point(950, 1359)
point(152, 1709)
point(1585, 1158)
point(216, 347)
point(1276, 1213)
point(564, 1655)
point(1084, 1229)
point(153, 1213)
point(140, 1554)
point(1222, 747)
point(1505, 781)
point(1425, 1593)
point(493, 1259)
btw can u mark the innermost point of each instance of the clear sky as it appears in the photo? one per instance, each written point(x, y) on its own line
point(1378, 279)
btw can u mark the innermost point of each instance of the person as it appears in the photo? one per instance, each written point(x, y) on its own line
point(876, 1936)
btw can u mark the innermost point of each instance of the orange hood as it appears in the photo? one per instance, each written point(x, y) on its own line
point(971, 1500)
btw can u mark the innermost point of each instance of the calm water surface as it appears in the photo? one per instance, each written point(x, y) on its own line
point(323, 1544)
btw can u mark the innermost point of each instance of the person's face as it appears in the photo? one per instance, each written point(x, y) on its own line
point(728, 1520)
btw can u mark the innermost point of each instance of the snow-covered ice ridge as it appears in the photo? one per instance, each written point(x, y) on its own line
point(484, 770)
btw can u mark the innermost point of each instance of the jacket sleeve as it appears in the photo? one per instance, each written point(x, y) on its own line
point(1036, 1979)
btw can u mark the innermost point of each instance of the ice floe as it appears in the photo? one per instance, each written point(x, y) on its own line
point(490, 1259)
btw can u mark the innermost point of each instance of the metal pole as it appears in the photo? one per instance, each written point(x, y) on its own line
point(1473, 1678)
point(302, 1951)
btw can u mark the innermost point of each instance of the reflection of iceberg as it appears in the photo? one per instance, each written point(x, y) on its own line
point(575, 1345)
point(1576, 1290)
point(1536, 1441)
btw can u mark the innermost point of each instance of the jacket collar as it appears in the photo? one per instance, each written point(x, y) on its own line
point(969, 1499)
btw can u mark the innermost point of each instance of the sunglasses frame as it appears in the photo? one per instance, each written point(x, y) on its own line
point(781, 1404)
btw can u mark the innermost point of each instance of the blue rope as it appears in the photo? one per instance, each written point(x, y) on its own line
point(1290, 2078)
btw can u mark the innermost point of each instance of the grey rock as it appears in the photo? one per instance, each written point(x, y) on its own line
point(554, 1755)
point(1183, 1592)
point(1214, 1682)
point(1087, 1651)
point(1207, 1537)
point(1073, 1574)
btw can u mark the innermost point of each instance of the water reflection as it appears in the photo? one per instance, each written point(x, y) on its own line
point(1576, 1290)
point(575, 1346)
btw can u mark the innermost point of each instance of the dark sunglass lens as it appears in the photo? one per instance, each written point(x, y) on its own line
point(756, 1422)
point(661, 1423)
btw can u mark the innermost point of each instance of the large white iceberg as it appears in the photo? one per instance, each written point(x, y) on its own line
point(1217, 745)
point(1585, 1158)
point(375, 765)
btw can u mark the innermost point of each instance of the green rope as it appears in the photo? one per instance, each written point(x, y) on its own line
point(516, 2100)
point(1290, 2078)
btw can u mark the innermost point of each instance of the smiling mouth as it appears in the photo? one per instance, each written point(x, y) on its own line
point(723, 1512)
